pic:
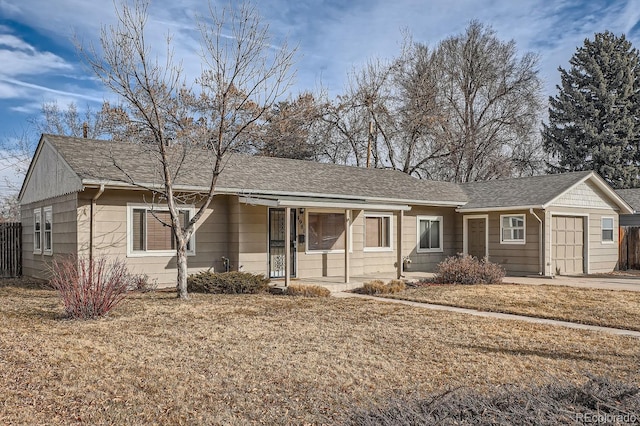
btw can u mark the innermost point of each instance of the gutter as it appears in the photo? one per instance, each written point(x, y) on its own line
point(540, 244)
point(92, 221)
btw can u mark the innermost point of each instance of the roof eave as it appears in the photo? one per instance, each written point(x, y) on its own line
point(497, 209)
point(110, 184)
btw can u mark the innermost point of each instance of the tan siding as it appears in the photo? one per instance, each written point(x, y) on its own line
point(601, 257)
point(426, 262)
point(585, 195)
point(64, 234)
point(517, 259)
point(50, 177)
point(110, 237)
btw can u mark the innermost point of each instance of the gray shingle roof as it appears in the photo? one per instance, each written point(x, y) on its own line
point(631, 196)
point(526, 191)
point(97, 159)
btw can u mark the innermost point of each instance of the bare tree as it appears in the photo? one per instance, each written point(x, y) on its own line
point(289, 129)
point(490, 101)
point(385, 118)
point(70, 121)
point(243, 76)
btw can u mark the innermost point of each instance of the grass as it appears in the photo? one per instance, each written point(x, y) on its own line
point(607, 308)
point(249, 359)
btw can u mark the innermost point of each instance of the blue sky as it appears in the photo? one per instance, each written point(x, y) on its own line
point(38, 61)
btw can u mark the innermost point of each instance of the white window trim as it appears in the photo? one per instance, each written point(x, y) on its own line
point(524, 228)
point(602, 228)
point(156, 253)
point(307, 250)
point(37, 213)
point(364, 232)
point(45, 250)
point(429, 250)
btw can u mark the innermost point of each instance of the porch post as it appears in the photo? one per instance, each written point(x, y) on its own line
point(347, 243)
point(399, 244)
point(287, 246)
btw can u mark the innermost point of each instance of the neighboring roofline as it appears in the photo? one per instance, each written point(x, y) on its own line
point(247, 193)
point(603, 186)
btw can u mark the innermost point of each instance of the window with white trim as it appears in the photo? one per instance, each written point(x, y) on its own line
point(325, 231)
point(150, 230)
point(429, 234)
point(37, 231)
point(607, 229)
point(377, 231)
point(48, 230)
point(512, 229)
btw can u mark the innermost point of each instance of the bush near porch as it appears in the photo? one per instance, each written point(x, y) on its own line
point(227, 283)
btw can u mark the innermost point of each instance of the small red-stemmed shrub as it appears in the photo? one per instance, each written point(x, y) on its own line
point(465, 269)
point(90, 289)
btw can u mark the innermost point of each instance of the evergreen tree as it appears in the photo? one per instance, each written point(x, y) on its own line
point(594, 120)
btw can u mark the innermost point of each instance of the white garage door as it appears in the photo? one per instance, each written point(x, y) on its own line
point(567, 240)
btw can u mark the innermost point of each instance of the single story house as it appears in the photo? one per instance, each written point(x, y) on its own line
point(290, 218)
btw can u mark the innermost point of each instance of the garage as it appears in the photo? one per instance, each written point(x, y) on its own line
point(567, 243)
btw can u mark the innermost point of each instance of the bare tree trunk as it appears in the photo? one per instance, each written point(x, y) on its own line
point(181, 260)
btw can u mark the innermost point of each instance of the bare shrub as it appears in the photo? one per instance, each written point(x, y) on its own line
point(142, 283)
point(307, 290)
point(597, 401)
point(227, 283)
point(379, 287)
point(89, 289)
point(465, 269)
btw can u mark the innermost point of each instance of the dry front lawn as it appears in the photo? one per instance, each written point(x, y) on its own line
point(268, 359)
point(607, 308)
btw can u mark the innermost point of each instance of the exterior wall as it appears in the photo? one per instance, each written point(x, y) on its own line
point(451, 238)
point(50, 177)
point(600, 256)
point(110, 238)
point(64, 234)
point(585, 195)
point(517, 259)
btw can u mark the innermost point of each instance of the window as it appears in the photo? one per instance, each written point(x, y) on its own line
point(148, 233)
point(37, 231)
point(429, 234)
point(325, 231)
point(512, 229)
point(377, 232)
point(48, 230)
point(607, 229)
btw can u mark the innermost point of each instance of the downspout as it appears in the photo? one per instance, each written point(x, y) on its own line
point(540, 244)
point(92, 221)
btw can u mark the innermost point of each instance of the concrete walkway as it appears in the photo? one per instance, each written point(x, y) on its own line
point(608, 282)
point(497, 315)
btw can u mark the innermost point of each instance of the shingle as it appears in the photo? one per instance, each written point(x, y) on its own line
point(526, 191)
point(631, 196)
point(97, 159)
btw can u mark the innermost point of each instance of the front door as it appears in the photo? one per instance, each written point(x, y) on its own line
point(277, 243)
point(477, 237)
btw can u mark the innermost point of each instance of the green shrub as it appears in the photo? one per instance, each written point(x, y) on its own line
point(465, 269)
point(307, 290)
point(379, 287)
point(227, 283)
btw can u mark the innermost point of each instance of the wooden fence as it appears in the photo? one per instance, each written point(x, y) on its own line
point(629, 249)
point(10, 250)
